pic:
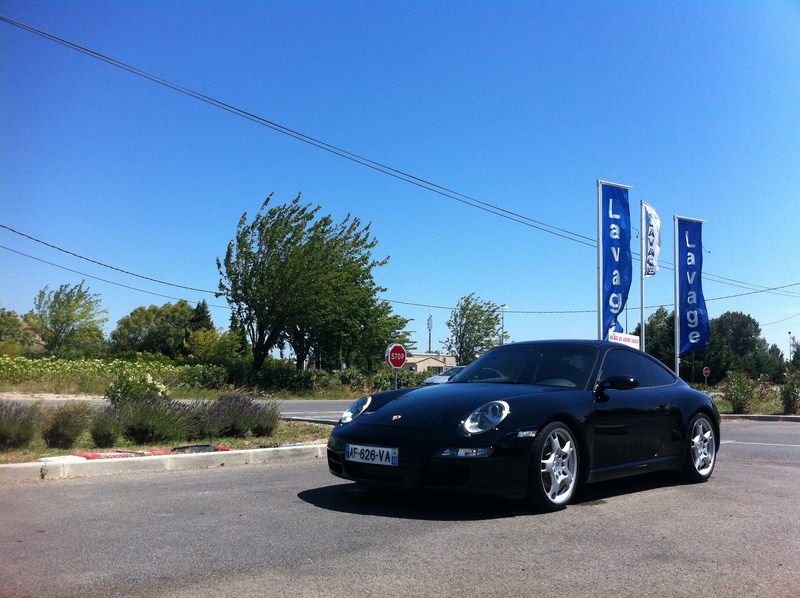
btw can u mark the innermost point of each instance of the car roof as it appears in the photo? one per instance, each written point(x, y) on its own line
point(580, 342)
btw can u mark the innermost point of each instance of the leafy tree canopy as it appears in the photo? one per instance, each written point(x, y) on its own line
point(14, 338)
point(735, 345)
point(68, 320)
point(292, 276)
point(474, 328)
point(158, 330)
point(201, 318)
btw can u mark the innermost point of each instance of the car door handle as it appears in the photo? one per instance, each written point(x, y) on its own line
point(663, 408)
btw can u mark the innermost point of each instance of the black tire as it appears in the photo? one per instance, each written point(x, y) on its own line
point(701, 449)
point(554, 467)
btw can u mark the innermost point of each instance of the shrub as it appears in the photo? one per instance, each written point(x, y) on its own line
point(354, 379)
point(210, 377)
point(234, 414)
point(266, 416)
point(129, 387)
point(105, 428)
point(150, 417)
point(65, 424)
point(384, 379)
point(18, 424)
point(740, 392)
point(200, 420)
point(790, 393)
point(277, 375)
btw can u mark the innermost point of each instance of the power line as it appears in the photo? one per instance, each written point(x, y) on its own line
point(88, 259)
point(180, 286)
point(348, 155)
point(343, 153)
point(124, 286)
point(353, 157)
point(393, 301)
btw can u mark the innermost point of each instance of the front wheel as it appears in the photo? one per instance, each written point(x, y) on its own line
point(554, 467)
point(701, 450)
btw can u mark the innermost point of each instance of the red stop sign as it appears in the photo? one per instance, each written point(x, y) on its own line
point(396, 355)
point(706, 372)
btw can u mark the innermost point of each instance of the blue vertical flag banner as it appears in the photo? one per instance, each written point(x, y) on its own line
point(694, 327)
point(652, 240)
point(615, 249)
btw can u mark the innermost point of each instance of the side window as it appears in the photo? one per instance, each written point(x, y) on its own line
point(619, 362)
point(657, 374)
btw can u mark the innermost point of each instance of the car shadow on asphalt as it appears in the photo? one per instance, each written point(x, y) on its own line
point(355, 499)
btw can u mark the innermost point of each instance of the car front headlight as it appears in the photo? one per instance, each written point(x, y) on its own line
point(353, 411)
point(486, 417)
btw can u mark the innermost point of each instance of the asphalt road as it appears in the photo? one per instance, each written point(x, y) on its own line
point(295, 530)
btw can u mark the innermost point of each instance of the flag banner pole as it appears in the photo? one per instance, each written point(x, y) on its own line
point(642, 340)
point(677, 307)
point(614, 263)
point(651, 248)
point(692, 319)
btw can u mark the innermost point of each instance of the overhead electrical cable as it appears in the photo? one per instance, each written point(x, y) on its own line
point(88, 259)
point(393, 301)
point(388, 170)
point(343, 153)
point(124, 286)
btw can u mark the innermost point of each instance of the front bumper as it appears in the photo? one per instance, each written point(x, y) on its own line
point(503, 473)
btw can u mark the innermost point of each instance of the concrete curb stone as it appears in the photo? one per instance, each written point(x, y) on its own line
point(52, 470)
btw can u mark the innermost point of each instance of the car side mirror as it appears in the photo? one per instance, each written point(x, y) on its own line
point(617, 383)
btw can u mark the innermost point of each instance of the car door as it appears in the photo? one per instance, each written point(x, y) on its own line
point(630, 425)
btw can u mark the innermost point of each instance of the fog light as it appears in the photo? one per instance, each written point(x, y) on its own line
point(465, 453)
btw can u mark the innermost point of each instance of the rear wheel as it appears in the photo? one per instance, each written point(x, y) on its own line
point(701, 449)
point(554, 467)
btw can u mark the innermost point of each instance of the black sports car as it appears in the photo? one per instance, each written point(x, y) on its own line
point(531, 419)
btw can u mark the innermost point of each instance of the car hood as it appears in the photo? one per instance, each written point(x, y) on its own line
point(432, 406)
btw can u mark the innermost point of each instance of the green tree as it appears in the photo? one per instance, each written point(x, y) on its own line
point(736, 345)
point(68, 320)
point(257, 277)
point(201, 318)
point(794, 354)
point(334, 267)
point(158, 330)
point(660, 336)
point(209, 346)
point(291, 277)
point(375, 328)
point(474, 328)
point(14, 338)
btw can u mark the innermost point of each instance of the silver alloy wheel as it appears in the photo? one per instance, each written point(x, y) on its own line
point(559, 466)
point(703, 446)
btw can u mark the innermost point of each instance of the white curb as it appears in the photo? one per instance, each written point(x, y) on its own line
point(59, 469)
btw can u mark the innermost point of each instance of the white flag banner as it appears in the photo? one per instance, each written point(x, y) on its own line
point(652, 243)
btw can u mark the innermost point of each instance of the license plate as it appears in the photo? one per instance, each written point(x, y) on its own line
point(374, 455)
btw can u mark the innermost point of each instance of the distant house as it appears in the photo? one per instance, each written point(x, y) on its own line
point(431, 363)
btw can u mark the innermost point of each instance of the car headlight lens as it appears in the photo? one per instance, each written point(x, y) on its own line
point(353, 411)
point(486, 417)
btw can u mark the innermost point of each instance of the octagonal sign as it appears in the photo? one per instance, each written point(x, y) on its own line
point(396, 355)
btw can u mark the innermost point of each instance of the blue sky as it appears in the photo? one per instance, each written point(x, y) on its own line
point(523, 105)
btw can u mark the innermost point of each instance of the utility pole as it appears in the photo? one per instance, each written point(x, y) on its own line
point(430, 327)
point(503, 309)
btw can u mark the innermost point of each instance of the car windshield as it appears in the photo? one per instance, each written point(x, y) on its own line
point(556, 364)
point(452, 371)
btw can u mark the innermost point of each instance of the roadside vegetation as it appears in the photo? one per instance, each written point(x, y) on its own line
point(141, 414)
point(307, 321)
